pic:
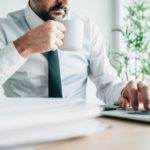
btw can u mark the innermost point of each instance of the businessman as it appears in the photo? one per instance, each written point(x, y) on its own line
point(33, 65)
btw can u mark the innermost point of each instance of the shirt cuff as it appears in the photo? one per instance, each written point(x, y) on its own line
point(10, 62)
point(12, 53)
point(117, 92)
point(2, 95)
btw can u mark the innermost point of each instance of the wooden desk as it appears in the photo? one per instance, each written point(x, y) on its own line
point(123, 135)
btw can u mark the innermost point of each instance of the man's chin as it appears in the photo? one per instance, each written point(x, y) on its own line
point(57, 17)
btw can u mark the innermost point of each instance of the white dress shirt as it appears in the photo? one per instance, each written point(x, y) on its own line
point(20, 77)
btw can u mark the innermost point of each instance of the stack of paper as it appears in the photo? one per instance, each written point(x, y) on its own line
point(32, 121)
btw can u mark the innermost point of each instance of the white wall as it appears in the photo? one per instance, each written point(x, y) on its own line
point(101, 11)
point(10, 5)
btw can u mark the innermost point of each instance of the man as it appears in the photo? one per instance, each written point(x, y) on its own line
point(32, 65)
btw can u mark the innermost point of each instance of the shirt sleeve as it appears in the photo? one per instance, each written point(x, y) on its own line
point(10, 60)
point(102, 74)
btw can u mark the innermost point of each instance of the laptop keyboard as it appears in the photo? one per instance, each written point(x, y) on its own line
point(115, 111)
point(139, 113)
point(128, 111)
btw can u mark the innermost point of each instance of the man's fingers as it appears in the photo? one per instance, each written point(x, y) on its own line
point(136, 93)
point(144, 95)
point(132, 91)
point(59, 34)
point(134, 99)
point(61, 26)
point(58, 42)
point(123, 102)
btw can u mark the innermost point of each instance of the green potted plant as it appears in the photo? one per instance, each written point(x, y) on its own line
point(134, 61)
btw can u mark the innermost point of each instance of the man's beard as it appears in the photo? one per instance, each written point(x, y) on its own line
point(50, 16)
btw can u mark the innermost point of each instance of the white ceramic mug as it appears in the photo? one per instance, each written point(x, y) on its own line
point(74, 34)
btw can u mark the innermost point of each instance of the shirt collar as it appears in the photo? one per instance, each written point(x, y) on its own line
point(34, 20)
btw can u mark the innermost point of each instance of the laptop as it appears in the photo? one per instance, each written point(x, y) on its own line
point(117, 112)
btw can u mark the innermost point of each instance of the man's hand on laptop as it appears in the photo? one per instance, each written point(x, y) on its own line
point(134, 94)
point(46, 37)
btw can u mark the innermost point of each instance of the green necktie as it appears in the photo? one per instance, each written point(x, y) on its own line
point(54, 82)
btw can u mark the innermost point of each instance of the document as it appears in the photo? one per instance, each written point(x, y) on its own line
point(38, 120)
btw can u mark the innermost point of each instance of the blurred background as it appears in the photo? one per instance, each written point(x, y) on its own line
point(108, 14)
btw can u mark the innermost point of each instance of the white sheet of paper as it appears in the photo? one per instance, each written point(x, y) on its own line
point(26, 112)
point(50, 133)
point(35, 120)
